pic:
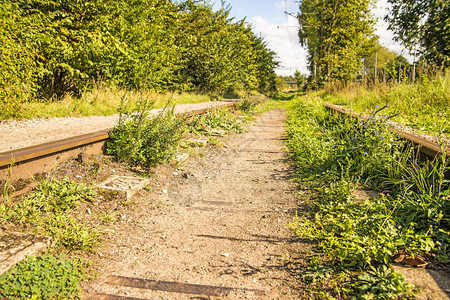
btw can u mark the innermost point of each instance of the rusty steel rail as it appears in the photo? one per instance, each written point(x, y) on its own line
point(425, 146)
point(25, 162)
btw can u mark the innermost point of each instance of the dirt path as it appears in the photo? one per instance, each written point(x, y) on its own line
point(216, 221)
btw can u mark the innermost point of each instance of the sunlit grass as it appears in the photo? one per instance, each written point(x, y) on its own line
point(425, 107)
point(104, 100)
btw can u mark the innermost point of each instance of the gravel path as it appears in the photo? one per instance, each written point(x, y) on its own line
point(218, 220)
point(20, 134)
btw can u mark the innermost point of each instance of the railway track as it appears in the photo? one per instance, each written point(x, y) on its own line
point(25, 162)
point(426, 147)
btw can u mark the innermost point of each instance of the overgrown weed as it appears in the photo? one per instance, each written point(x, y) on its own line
point(47, 211)
point(144, 139)
point(335, 155)
point(425, 107)
point(46, 277)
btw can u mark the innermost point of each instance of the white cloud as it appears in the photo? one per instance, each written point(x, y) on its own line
point(280, 5)
point(387, 36)
point(284, 41)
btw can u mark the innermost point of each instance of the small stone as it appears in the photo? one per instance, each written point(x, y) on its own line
point(97, 166)
point(82, 157)
point(164, 191)
point(226, 254)
point(175, 173)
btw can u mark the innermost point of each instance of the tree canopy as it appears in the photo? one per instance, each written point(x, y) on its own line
point(422, 24)
point(53, 47)
point(337, 35)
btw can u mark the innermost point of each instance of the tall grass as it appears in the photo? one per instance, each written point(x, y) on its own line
point(425, 107)
point(102, 100)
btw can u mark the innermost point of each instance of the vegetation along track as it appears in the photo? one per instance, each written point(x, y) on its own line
point(43, 157)
point(426, 147)
point(219, 228)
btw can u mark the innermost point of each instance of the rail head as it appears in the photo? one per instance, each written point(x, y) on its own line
point(35, 152)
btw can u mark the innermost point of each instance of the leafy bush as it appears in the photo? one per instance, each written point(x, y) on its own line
point(54, 48)
point(47, 211)
point(144, 139)
point(45, 277)
point(17, 62)
point(247, 106)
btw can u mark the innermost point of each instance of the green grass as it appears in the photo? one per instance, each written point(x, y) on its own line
point(425, 107)
point(335, 155)
point(48, 210)
point(102, 101)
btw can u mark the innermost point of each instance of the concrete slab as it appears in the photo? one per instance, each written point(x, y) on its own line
point(198, 141)
point(16, 247)
point(123, 186)
point(181, 157)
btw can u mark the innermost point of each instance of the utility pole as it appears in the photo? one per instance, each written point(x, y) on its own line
point(376, 65)
point(414, 67)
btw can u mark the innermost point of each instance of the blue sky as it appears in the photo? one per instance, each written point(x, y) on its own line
point(268, 20)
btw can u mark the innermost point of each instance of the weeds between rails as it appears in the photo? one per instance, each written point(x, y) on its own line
point(336, 155)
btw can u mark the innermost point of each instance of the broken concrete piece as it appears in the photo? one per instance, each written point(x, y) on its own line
point(181, 157)
point(123, 186)
point(198, 142)
point(219, 132)
point(16, 247)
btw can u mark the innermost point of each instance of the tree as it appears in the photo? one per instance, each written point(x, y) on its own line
point(300, 78)
point(422, 24)
point(337, 34)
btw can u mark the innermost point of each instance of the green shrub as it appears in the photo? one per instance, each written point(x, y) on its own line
point(45, 277)
point(144, 139)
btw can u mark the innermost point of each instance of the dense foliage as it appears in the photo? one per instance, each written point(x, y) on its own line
point(337, 34)
point(46, 277)
point(422, 25)
point(51, 48)
point(337, 158)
